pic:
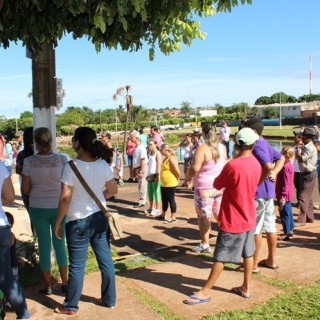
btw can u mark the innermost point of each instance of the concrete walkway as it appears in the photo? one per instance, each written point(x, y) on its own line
point(182, 271)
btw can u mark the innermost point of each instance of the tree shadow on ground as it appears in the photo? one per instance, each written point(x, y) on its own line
point(173, 281)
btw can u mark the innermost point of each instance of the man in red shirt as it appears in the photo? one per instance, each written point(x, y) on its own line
point(237, 217)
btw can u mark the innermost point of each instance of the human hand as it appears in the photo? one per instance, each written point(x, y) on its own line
point(58, 231)
point(282, 203)
point(272, 176)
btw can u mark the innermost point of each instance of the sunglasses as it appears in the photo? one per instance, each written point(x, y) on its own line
point(73, 139)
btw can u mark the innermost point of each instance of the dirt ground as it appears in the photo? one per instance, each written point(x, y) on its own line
point(182, 272)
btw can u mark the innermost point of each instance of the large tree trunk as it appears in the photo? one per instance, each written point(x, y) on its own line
point(44, 89)
point(1, 4)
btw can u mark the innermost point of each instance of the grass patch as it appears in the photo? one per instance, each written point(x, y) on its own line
point(281, 284)
point(30, 273)
point(300, 304)
point(155, 305)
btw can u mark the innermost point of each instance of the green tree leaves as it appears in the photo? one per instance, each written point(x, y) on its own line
point(129, 24)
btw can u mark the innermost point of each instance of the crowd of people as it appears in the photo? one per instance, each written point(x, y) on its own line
point(237, 190)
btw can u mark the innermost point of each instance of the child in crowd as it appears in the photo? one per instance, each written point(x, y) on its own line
point(119, 166)
point(284, 193)
point(237, 217)
point(13, 256)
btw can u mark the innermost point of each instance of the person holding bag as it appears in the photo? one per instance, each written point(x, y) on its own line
point(85, 221)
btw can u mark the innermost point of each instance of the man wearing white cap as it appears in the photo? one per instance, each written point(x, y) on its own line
point(237, 217)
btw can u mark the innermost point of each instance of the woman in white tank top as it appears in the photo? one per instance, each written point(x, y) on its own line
point(154, 166)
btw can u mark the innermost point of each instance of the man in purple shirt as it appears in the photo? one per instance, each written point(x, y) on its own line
point(271, 162)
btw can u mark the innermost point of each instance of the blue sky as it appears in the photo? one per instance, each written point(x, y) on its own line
point(256, 50)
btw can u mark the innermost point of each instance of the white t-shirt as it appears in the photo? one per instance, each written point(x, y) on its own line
point(45, 173)
point(96, 174)
point(139, 152)
point(4, 174)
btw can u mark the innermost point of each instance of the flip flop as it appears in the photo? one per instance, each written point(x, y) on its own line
point(170, 221)
point(62, 310)
point(238, 292)
point(263, 263)
point(198, 300)
point(241, 269)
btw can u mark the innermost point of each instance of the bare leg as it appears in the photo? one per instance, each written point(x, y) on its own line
point(204, 229)
point(204, 292)
point(64, 275)
point(272, 247)
point(258, 242)
point(248, 267)
point(46, 278)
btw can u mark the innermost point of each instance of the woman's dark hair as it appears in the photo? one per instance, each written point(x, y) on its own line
point(88, 141)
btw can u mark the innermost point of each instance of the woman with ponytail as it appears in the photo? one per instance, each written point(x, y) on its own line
point(209, 160)
point(85, 222)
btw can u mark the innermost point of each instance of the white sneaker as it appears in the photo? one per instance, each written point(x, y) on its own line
point(155, 212)
point(200, 248)
point(148, 211)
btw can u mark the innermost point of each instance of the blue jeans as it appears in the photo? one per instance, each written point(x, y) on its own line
point(286, 216)
point(8, 283)
point(79, 233)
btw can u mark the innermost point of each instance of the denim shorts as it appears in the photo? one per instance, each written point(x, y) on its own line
point(266, 219)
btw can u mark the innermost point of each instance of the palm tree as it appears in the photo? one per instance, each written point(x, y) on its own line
point(124, 92)
point(185, 108)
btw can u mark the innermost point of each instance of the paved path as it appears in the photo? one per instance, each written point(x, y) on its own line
point(182, 271)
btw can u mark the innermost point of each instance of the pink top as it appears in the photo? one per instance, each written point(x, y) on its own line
point(209, 171)
point(284, 184)
point(130, 147)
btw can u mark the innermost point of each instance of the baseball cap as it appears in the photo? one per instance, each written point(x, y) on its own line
point(246, 136)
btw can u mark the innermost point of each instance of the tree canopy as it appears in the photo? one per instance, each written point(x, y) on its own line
point(127, 24)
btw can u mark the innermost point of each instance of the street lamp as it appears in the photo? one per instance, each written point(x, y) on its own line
point(280, 113)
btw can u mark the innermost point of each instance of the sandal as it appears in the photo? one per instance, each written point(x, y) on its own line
point(241, 269)
point(170, 221)
point(285, 237)
point(62, 310)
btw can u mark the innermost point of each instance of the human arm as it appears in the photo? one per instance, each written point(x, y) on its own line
point(110, 189)
point(64, 203)
point(174, 167)
point(159, 161)
point(7, 192)
point(197, 163)
point(26, 185)
point(278, 165)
